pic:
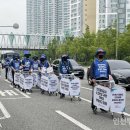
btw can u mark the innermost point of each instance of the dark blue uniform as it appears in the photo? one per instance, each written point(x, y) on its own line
point(65, 67)
point(44, 64)
point(6, 65)
point(100, 70)
point(35, 65)
point(27, 64)
point(15, 64)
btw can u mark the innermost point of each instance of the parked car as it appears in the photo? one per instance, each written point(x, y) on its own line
point(120, 71)
point(77, 69)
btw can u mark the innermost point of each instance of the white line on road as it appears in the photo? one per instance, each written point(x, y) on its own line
point(7, 81)
point(13, 98)
point(4, 111)
point(21, 92)
point(87, 88)
point(82, 126)
point(85, 100)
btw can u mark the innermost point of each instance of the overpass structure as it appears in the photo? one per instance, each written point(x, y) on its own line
point(31, 42)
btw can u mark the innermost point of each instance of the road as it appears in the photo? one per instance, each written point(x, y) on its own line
point(19, 111)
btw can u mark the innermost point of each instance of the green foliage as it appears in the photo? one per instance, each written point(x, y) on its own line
point(83, 48)
point(127, 58)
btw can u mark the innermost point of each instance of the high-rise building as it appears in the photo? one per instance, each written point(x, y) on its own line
point(112, 13)
point(89, 15)
point(54, 17)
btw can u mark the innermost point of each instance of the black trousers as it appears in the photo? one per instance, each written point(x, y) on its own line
point(13, 76)
point(6, 72)
point(92, 105)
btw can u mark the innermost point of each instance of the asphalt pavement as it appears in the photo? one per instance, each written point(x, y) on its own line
point(36, 111)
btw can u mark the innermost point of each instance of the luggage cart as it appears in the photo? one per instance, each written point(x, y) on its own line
point(70, 86)
point(49, 82)
point(26, 81)
point(106, 88)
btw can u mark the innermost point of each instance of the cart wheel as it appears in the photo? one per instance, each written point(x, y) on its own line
point(42, 92)
point(61, 96)
point(112, 116)
point(50, 93)
point(79, 98)
point(71, 99)
point(56, 94)
point(30, 91)
point(95, 110)
point(123, 116)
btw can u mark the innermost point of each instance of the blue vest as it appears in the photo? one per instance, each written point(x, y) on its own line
point(101, 69)
point(27, 64)
point(7, 63)
point(45, 64)
point(64, 67)
point(35, 65)
point(16, 64)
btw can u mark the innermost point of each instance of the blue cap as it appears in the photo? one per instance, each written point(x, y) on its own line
point(26, 52)
point(100, 51)
point(43, 56)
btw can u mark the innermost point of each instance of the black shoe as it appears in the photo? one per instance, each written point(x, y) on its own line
point(62, 95)
point(95, 110)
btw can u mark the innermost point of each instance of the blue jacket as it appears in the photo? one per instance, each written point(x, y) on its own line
point(35, 65)
point(27, 64)
point(16, 64)
point(100, 70)
point(44, 64)
point(7, 63)
point(65, 67)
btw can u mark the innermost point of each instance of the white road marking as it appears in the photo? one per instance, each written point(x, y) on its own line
point(7, 81)
point(87, 88)
point(82, 126)
point(4, 111)
point(13, 98)
point(8, 92)
point(85, 100)
point(21, 92)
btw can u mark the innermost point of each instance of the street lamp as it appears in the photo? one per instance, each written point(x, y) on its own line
point(15, 26)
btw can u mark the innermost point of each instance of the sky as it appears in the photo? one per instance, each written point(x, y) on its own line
point(13, 11)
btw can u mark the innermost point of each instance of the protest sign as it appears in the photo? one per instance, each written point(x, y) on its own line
point(118, 95)
point(28, 82)
point(53, 83)
point(64, 86)
point(102, 97)
point(75, 87)
point(44, 83)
